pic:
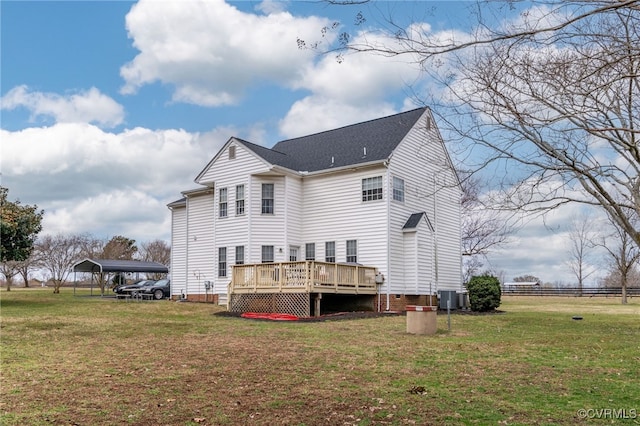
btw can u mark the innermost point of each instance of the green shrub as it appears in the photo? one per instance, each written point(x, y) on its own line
point(484, 293)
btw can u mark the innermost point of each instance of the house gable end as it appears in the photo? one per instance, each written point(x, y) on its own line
point(241, 151)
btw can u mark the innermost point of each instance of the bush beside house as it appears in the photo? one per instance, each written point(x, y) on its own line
point(484, 293)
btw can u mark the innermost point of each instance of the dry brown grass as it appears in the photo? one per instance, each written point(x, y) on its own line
point(88, 361)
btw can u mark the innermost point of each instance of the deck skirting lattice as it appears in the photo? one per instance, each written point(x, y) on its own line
point(283, 303)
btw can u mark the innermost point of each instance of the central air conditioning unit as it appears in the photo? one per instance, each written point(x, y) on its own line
point(450, 296)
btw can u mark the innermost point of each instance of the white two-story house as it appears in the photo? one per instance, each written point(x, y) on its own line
point(381, 194)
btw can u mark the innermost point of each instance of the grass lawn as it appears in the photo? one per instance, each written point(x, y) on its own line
point(89, 361)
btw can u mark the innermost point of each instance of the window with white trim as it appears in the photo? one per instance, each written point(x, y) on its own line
point(310, 251)
point(293, 254)
point(352, 251)
point(239, 255)
point(398, 189)
point(330, 251)
point(222, 202)
point(222, 261)
point(267, 198)
point(372, 188)
point(267, 254)
point(239, 200)
point(232, 152)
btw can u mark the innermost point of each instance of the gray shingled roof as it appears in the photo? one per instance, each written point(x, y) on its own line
point(110, 265)
point(346, 145)
point(414, 221)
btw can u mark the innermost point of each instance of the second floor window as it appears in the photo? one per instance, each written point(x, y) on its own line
point(267, 198)
point(372, 188)
point(239, 200)
point(222, 261)
point(330, 251)
point(223, 202)
point(398, 189)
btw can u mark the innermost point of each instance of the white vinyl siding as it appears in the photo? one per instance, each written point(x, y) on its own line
point(200, 231)
point(178, 250)
point(430, 187)
point(333, 212)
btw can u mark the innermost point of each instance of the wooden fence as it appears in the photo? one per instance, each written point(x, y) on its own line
point(570, 291)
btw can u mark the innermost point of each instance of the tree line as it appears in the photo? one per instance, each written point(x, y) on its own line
point(24, 251)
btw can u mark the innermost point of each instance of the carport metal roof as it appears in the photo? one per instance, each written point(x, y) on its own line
point(110, 265)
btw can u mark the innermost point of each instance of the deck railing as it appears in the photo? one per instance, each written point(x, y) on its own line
point(303, 277)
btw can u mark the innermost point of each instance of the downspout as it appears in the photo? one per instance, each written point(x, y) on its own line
point(386, 164)
point(286, 219)
point(435, 232)
point(186, 260)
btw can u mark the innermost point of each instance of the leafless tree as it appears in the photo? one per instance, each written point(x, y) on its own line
point(9, 269)
point(156, 251)
point(553, 97)
point(57, 254)
point(581, 236)
point(25, 267)
point(623, 256)
point(527, 279)
point(483, 229)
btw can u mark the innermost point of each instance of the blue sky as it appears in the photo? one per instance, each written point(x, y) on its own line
point(110, 109)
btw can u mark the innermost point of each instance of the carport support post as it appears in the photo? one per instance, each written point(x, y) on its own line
point(316, 308)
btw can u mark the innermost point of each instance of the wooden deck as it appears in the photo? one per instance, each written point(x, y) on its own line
point(303, 277)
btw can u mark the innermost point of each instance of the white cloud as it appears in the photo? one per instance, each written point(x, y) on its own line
point(89, 180)
point(90, 106)
point(272, 6)
point(211, 52)
point(316, 113)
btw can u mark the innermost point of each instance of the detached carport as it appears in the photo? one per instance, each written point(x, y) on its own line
point(106, 266)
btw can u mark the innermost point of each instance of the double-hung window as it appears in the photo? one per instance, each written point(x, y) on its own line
point(352, 251)
point(398, 189)
point(239, 200)
point(222, 202)
point(222, 261)
point(239, 255)
point(330, 251)
point(267, 254)
point(372, 188)
point(310, 251)
point(293, 254)
point(267, 198)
